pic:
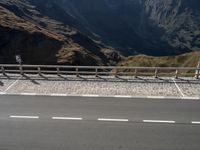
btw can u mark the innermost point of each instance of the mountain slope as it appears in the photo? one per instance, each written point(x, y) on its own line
point(153, 27)
point(81, 32)
point(180, 19)
point(39, 39)
point(184, 60)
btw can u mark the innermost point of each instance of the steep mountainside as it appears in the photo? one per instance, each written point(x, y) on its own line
point(180, 20)
point(153, 27)
point(86, 32)
point(40, 39)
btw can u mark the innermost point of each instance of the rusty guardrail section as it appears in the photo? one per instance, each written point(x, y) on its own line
point(101, 70)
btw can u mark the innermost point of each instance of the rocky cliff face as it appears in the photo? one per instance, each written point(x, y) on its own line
point(31, 30)
point(153, 27)
point(179, 19)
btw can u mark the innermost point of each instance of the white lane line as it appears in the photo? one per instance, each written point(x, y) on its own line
point(178, 88)
point(66, 118)
point(29, 94)
point(25, 117)
point(85, 95)
point(2, 93)
point(195, 122)
point(158, 121)
point(11, 85)
point(109, 119)
point(192, 98)
point(123, 96)
point(58, 95)
point(156, 97)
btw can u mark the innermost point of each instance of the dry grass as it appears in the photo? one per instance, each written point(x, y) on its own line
point(185, 60)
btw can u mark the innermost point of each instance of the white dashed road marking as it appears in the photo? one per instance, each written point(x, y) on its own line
point(195, 122)
point(66, 118)
point(25, 117)
point(117, 120)
point(106, 119)
point(158, 121)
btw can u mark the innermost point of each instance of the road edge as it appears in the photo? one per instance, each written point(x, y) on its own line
point(101, 96)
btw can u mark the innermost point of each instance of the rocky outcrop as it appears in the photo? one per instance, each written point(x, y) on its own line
point(179, 19)
point(34, 48)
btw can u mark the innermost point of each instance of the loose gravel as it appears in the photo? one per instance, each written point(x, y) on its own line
point(143, 86)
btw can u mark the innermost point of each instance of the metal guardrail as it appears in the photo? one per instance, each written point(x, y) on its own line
point(101, 70)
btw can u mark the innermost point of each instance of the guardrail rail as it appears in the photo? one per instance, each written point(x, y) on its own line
point(101, 70)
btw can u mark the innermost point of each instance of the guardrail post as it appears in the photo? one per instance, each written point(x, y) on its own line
point(115, 74)
point(58, 71)
point(177, 74)
point(39, 71)
point(3, 70)
point(197, 74)
point(136, 73)
point(77, 72)
point(197, 71)
point(21, 70)
point(156, 73)
point(96, 72)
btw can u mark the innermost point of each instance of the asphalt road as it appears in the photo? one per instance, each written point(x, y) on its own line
point(75, 123)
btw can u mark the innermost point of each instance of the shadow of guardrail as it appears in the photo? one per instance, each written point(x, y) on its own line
point(36, 79)
point(1, 83)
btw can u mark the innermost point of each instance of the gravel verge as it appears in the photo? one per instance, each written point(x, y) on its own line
point(143, 86)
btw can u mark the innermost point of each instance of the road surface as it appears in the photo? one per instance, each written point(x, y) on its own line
point(75, 123)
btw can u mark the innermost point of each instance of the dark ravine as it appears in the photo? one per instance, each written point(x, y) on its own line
point(79, 32)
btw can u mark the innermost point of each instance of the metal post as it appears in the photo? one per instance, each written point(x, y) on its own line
point(39, 71)
point(136, 73)
point(177, 73)
point(77, 73)
point(197, 71)
point(3, 70)
point(115, 73)
point(156, 73)
point(96, 72)
point(21, 69)
point(19, 60)
point(58, 71)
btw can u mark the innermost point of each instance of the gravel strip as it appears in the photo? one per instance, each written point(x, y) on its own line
point(6, 81)
point(143, 86)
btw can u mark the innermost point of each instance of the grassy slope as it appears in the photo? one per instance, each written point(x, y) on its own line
point(184, 60)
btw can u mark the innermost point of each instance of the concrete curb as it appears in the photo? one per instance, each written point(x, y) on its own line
point(102, 96)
